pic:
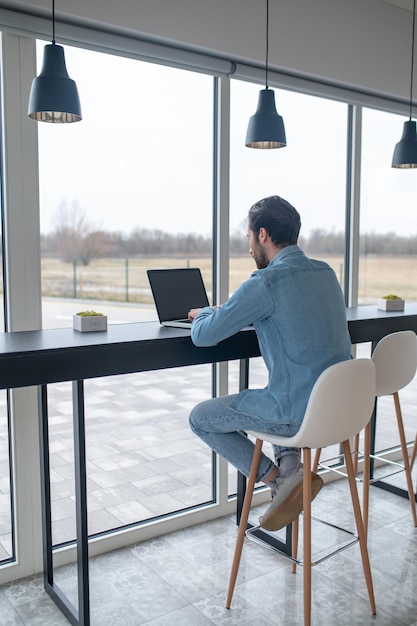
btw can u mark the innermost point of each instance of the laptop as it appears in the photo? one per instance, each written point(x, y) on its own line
point(175, 292)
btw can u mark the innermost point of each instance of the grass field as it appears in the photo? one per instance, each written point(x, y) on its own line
point(126, 280)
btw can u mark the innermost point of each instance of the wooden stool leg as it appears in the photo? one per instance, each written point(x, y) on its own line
point(406, 462)
point(316, 459)
point(366, 476)
point(355, 453)
point(307, 535)
point(244, 520)
point(414, 453)
point(359, 525)
point(294, 543)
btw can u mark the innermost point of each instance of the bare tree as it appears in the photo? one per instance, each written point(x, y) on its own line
point(71, 233)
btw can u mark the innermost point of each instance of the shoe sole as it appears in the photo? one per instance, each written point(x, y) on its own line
point(291, 508)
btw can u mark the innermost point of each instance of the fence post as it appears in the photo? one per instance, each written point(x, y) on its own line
point(127, 278)
point(74, 278)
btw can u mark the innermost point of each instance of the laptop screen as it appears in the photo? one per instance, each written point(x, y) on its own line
point(176, 291)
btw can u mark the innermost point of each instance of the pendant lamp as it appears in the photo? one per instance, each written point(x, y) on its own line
point(54, 95)
point(405, 152)
point(266, 128)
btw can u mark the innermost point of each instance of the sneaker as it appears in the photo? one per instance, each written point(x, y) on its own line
point(287, 500)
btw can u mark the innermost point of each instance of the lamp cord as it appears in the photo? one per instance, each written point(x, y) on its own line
point(267, 43)
point(53, 21)
point(412, 59)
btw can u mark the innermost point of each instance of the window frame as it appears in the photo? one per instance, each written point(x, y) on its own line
point(22, 259)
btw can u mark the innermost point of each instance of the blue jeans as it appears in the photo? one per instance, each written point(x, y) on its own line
point(219, 426)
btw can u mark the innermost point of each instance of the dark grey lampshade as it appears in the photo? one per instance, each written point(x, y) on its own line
point(405, 152)
point(266, 127)
point(54, 95)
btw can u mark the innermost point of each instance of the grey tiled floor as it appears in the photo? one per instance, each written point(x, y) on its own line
point(181, 579)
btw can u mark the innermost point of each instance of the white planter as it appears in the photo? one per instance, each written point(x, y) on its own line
point(390, 305)
point(89, 323)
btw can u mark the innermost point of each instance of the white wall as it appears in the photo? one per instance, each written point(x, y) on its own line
point(362, 43)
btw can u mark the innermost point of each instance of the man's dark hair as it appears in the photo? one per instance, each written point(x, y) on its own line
point(279, 218)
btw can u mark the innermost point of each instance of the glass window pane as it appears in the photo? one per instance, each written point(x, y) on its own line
point(310, 172)
point(126, 189)
point(388, 244)
point(143, 461)
point(7, 550)
point(388, 216)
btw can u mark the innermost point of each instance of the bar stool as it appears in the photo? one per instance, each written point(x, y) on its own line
point(340, 405)
point(395, 358)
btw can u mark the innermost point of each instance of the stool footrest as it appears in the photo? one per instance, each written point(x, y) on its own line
point(250, 534)
point(325, 465)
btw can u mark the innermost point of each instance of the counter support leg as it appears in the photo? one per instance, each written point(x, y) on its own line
point(81, 502)
point(48, 571)
point(80, 617)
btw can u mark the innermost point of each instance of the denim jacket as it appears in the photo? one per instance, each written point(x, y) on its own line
point(297, 308)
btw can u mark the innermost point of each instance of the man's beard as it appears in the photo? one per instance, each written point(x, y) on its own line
point(259, 257)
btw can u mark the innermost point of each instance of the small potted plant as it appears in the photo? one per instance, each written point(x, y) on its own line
point(391, 302)
point(88, 321)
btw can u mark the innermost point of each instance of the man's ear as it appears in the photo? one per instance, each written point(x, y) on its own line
point(262, 235)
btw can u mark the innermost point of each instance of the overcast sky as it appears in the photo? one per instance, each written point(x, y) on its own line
point(141, 157)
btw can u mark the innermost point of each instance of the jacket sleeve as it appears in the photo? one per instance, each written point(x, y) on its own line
point(249, 303)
